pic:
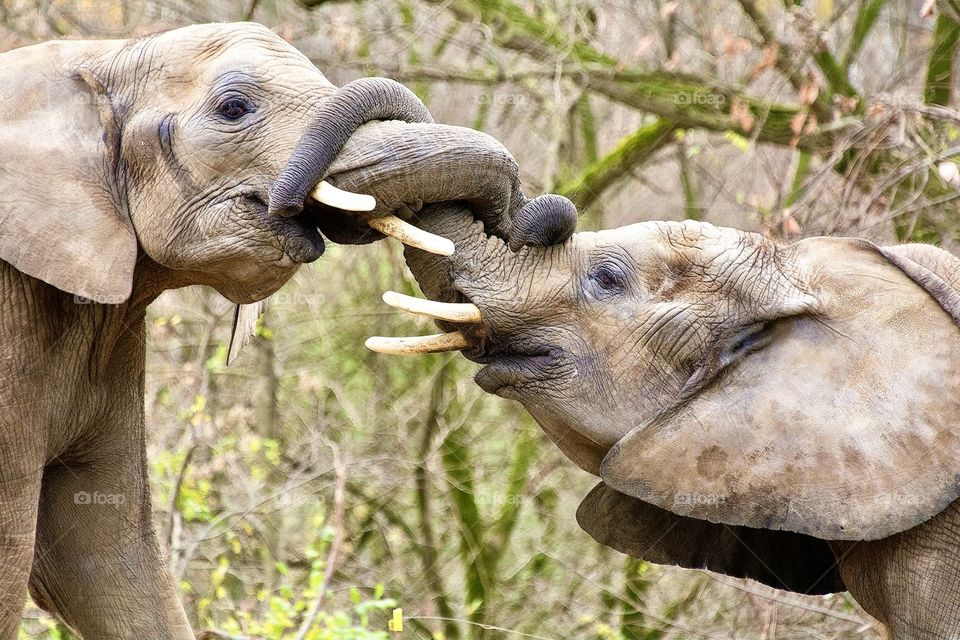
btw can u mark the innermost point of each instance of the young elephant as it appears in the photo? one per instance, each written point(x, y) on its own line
point(131, 167)
point(786, 413)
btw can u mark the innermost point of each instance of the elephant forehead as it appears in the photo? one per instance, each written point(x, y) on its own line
point(669, 237)
point(215, 37)
point(200, 54)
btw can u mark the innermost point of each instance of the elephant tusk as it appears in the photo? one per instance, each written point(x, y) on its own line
point(453, 341)
point(348, 201)
point(410, 235)
point(454, 312)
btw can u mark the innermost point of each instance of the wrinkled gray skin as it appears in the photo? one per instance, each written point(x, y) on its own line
point(786, 413)
point(132, 167)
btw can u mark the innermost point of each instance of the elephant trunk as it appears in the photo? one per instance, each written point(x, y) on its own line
point(355, 104)
point(405, 166)
point(476, 253)
point(406, 161)
point(475, 292)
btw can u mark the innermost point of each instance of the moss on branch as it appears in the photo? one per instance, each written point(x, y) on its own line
point(629, 153)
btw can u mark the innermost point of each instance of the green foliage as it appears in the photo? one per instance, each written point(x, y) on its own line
point(740, 143)
point(939, 84)
point(45, 627)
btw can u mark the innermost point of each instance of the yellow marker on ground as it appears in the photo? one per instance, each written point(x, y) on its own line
point(396, 623)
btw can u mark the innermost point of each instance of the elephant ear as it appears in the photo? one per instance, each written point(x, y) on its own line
point(842, 427)
point(62, 216)
point(781, 559)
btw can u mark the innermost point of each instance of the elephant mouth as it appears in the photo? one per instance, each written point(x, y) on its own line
point(507, 370)
point(510, 363)
point(513, 361)
point(300, 236)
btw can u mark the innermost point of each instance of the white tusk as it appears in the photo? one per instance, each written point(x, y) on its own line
point(453, 341)
point(348, 201)
point(454, 312)
point(408, 234)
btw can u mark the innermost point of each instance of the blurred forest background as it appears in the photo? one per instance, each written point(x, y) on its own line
point(309, 489)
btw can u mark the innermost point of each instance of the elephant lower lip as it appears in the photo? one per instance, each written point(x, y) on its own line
point(511, 370)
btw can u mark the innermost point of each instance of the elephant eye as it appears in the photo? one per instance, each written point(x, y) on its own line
point(608, 278)
point(235, 108)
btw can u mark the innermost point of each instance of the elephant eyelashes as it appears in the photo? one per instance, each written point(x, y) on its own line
point(607, 279)
point(235, 108)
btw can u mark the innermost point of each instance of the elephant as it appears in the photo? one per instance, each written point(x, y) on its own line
point(207, 155)
point(781, 412)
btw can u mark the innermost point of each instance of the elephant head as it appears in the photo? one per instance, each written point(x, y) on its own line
point(205, 155)
point(189, 157)
point(743, 401)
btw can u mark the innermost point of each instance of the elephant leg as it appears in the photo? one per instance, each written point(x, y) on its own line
point(98, 563)
point(20, 482)
point(910, 581)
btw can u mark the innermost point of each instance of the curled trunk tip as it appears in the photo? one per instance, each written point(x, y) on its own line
point(546, 220)
point(355, 104)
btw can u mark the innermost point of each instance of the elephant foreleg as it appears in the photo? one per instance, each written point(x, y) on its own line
point(910, 581)
point(98, 564)
point(20, 477)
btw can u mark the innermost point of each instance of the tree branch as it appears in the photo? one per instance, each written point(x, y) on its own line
point(688, 100)
point(427, 542)
point(693, 102)
point(789, 64)
point(333, 555)
point(630, 153)
point(459, 470)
